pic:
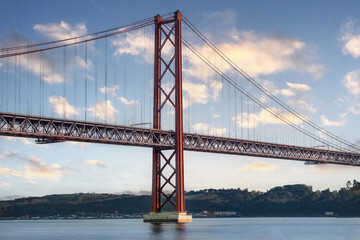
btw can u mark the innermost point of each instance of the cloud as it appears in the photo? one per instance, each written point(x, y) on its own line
point(216, 87)
point(5, 172)
point(5, 184)
point(215, 115)
point(62, 107)
point(352, 82)
point(96, 163)
point(221, 18)
point(131, 103)
point(80, 62)
point(299, 87)
point(252, 120)
point(351, 104)
point(62, 30)
point(110, 90)
point(327, 122)
point(34, 169)
point(37, 63)
point(198, 93)
point(80, 144)
point(351, 39)
point(295, 89)
point(104, 111)
point(204, 128)
point(26, 141)
point(259, 166)
point(38, 169)
point(137, 44)
point(303, 105)
point(258, 55)
point(12, 154)
point(285, 92)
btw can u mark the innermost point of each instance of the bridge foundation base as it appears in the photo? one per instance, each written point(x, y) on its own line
point(167, 217)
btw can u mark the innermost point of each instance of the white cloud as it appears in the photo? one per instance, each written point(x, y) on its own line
point(62, 107)
point(258, 55)
point(252, 120)
point(198, 93)
point(5, 184)
point(131, 103)
point(299, 87)
point(104, 111)
point(259, 166)
point(110, 90)
point(303, 105)
point(38, 169)
point(96, 163)
point(317, 71)
point(215, 115)
point(5, 172)
point(80, 62)
point(327, 122)
point(204, 128)
point(295, 89)
point(352, 82)
point(39, 64)
point(285, 92)
point(354, 108)
point(137, 44)
point(43, 64)
point(62, 30)
point(26, 141)
point(216, 87)
point(351, 39)
point(80, 144)
point(34, 169)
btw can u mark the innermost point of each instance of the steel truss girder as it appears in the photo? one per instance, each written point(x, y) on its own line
point(54, 130)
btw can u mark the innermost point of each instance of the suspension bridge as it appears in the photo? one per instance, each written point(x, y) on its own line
point(95, 88)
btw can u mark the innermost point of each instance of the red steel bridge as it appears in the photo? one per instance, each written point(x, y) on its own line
point(319, 146)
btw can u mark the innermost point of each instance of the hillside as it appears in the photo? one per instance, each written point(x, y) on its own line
point(289, 200)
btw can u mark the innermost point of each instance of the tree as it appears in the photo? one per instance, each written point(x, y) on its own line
point(348, 185)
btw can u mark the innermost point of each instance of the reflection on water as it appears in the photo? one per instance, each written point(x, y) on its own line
point(161, 231)
point(226, 228)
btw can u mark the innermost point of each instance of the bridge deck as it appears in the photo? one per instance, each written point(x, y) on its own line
point(47, 130)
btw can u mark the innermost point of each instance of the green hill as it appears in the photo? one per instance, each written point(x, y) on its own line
point(289, 200)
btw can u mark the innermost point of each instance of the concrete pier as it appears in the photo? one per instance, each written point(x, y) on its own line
point(168, 217)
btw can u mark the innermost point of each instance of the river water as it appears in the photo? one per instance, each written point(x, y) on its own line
point(205, 228)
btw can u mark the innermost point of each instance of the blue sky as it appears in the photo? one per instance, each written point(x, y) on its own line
point(304, 52)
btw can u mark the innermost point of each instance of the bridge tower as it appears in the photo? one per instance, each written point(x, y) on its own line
point(171, 30)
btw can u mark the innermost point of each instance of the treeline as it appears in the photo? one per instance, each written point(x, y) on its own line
point(290, 200)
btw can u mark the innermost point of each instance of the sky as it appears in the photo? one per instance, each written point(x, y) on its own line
point(304, 52)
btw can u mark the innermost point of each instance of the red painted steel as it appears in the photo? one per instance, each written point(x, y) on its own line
point(180, 198)
point(47, 130)
point(158, 192)
point(156, 195)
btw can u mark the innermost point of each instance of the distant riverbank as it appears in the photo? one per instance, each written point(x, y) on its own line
point(287, 201)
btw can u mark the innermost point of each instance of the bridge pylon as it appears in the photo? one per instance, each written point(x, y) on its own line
point(163, 162)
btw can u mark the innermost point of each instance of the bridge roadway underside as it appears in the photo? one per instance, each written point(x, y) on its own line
point(49, 130)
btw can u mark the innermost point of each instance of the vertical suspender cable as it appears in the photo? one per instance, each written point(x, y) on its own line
point(2, 84)
point(42, 82)
point(7, 83)
point(40, 76)
point(85, 81)
point(19, 83)
point(75, 78)
point(15, 83)
point(64, 87)
point(96, 77)
point(106, 73)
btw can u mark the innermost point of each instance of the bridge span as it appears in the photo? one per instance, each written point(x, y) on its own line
point(51, 130)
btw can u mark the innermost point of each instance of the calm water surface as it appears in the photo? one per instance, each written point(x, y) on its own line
point(228, 228)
